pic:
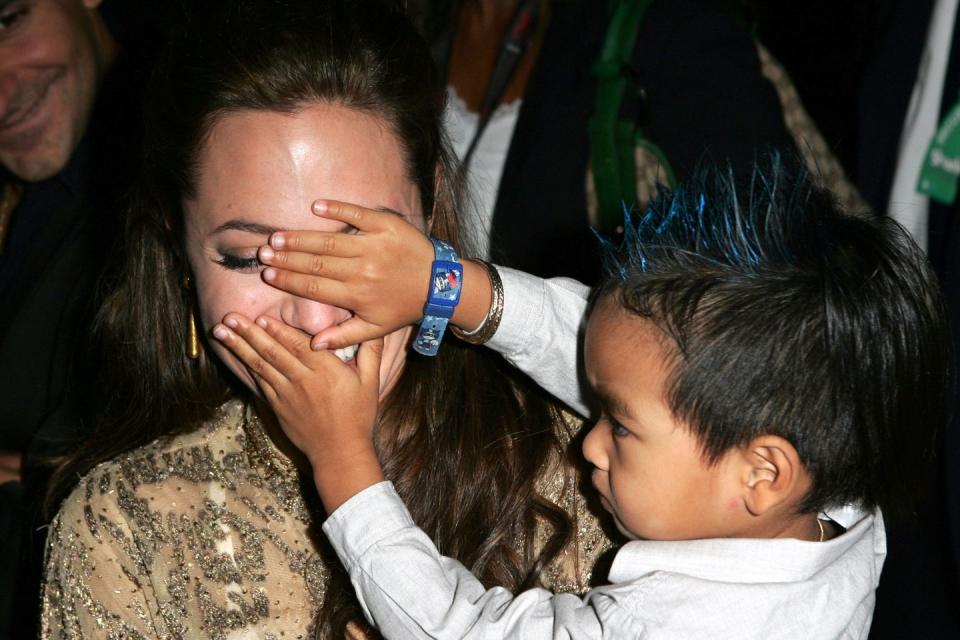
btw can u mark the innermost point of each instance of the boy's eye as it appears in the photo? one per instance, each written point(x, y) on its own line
point(617, 429)
point(238, 263)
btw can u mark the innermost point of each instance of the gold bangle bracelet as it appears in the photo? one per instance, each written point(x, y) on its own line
point(491, 321)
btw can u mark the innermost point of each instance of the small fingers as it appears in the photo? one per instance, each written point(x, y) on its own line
point(265, 374)
point(298, 344)
point(329, 243)
point(352, 331)
point(315, 288)
point(272, 347)
point(294, 341)
point(315, 264)
point(362, 218)
point(368, 363)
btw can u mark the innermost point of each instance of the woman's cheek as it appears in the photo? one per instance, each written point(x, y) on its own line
point(226, 293)
point(220, 297)
point(394, 357)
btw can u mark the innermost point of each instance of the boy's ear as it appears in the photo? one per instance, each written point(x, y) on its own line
point(771, 474)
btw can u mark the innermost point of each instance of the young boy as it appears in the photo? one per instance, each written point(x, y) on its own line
point(769, 372)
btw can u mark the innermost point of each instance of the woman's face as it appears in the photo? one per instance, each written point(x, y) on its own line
point(259, 172)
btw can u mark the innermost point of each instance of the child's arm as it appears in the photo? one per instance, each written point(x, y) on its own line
point(381, 274)
point(408, 590)
point(541, 333)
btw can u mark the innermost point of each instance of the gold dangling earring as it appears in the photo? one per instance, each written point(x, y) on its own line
point(194, 348)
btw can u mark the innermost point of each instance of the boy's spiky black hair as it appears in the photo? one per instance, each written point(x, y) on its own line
point(792, 318)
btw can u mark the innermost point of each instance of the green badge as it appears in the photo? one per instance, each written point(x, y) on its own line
point(940, 170)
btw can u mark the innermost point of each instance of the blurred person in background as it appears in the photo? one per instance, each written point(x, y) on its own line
point(69, 116)
point(528, 99)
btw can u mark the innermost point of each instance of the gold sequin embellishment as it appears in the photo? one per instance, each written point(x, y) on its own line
point(207, 535)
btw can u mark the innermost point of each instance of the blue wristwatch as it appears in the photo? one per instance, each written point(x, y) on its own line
point(446, 278)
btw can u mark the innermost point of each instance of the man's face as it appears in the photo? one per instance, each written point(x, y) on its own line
point(52, 53)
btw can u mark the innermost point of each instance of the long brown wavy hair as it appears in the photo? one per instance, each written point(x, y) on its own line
point(462, 436)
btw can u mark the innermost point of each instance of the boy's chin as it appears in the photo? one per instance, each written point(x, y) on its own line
point(629, 535)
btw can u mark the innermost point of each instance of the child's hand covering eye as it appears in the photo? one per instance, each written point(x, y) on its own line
point(380, 273)
point(327, 408)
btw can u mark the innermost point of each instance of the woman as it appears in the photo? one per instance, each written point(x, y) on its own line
point(193, 518)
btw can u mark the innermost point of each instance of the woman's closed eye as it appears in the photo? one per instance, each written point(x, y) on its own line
point(234, 262)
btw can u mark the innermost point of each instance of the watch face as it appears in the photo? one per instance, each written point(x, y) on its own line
point(446, 284)
point(429, 337)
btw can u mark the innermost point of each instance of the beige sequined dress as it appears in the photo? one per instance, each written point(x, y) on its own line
point(207, 535)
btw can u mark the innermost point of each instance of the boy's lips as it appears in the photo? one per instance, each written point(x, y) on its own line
point(603, 498)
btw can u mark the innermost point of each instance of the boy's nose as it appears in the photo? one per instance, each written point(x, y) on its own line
point(593, 449)
point(309, 316)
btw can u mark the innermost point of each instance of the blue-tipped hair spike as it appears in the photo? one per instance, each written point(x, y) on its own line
point(712, 220)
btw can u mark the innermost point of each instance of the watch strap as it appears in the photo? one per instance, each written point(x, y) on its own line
point(437, 312)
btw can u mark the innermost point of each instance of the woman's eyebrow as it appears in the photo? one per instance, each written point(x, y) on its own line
point(249, 227)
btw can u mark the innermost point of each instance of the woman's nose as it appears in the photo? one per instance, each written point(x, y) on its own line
point(310, 316)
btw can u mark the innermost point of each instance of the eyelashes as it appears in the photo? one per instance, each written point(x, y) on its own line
point(617, 429)
point(238, 263)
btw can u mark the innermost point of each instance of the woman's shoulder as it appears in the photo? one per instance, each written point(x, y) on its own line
point(201, 453)
point(132, 523)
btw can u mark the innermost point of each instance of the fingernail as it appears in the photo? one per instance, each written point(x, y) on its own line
point(220, 333)
point(277, 241)
point(270, 274)
point(231, 322)
point(320, 346)
point(320, 206)
point(262, 322)
point(266, 253)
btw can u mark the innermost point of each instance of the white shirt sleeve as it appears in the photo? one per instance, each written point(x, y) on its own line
point(408, 590)
point(541, 331)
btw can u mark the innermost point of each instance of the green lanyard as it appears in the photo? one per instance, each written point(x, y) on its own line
point(941, 168)
point(614, 140)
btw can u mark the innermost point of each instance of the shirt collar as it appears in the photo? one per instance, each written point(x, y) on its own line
point(745, 560)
